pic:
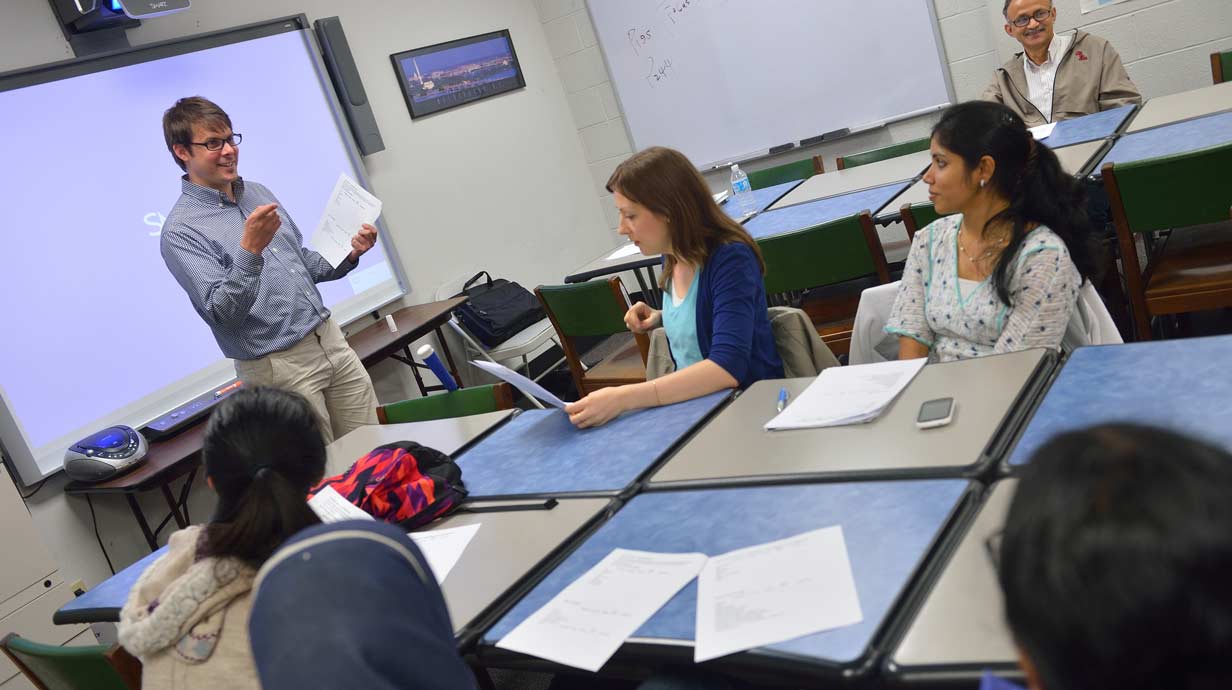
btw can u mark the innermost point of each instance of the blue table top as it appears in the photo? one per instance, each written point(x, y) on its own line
point(103, 602)
point(1099, 125)
point(888, 528)
point(1177, 384)
point(762, 198)
point(813, 213)
point(540, 452)
point(1180, 137)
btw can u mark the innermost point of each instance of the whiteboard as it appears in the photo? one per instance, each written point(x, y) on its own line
point(727, 80)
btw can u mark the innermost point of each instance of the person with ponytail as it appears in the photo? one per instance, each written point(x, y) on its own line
point(1001, 271)
point(186, 618)
point(714, 299)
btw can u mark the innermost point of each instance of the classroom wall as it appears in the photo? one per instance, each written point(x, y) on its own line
point(501, 185)
point(1164, 43)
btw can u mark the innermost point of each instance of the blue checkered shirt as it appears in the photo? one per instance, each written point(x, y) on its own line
point(254, 304)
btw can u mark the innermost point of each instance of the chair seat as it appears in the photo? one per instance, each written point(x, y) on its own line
point(1191, 276)
point(623, 366)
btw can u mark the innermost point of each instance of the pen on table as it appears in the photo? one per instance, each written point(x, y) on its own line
point(782, 399)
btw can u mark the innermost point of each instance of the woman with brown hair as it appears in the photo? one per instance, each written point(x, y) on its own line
point(714, 301)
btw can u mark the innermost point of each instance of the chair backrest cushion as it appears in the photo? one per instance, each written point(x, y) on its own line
point(584, 309)
point(1176, 191)
point(821, 255)
point(460, 403)
point(886, 152)
point(65, 668)
point(788, 172)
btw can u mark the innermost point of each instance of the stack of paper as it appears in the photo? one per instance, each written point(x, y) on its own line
point(1041, 132)
point(330, 506)
point(746, 598)
point(848, 395)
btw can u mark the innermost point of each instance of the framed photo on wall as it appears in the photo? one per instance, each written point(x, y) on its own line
point(447, 75)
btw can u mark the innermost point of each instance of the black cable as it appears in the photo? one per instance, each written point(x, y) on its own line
point(94, 519)
point(25, 497)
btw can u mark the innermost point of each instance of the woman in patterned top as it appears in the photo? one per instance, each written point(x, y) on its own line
point(1002, 273)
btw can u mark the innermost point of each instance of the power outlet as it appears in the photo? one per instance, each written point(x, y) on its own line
point(77, 588)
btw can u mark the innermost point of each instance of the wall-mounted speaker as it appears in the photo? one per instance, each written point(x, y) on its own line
point(350, 88)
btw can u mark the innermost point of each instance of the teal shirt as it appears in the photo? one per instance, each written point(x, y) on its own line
point(680, 323)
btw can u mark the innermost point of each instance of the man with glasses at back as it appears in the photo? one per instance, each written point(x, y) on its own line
point(241, 259)
point(1057, 77)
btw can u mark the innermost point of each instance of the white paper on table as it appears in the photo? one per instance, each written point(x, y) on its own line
point(720, 197)
point(848, 395)
point(330, 506)
point(349, 207)
point(1042, 131)
point(775, 592)
point(443, 547)
point(627, 250)
point(520, 382)
point(586, 623)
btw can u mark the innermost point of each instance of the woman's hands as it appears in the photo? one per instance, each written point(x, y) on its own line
point(600, 407)
point(641, 318)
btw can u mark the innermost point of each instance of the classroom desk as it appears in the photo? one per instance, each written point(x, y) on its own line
point(1177, 384)
point(958, 629)
point(1182, 106)
point(449, 436)
point(1101, 125)
point(505, 553)
point(540, 453)
point(179, 456)
point(891, 529)
point(103, 602)
point(1075, 160)
point(1181, 137)
point(763, 198)
point(838, 182)
point(778, 221)
point(735, 449)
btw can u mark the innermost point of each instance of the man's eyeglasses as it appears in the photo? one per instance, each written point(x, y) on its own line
point(1040, 16)
point(217, 144)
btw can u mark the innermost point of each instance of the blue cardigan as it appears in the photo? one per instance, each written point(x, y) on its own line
point(733, 328)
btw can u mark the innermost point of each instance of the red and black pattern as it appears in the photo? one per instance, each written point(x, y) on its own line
point(403, 483)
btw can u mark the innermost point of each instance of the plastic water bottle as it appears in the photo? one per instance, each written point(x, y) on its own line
point(429, 356)
point(742, 191)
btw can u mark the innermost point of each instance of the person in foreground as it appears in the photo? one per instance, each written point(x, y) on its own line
point(1115, 562)
point(185, 618)
point(714, 306)
point(353, 605)
point(243, 263)
point(1057, 77)
point(1003, 272)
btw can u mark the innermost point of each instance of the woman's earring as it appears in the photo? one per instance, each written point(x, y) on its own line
point(982, 183)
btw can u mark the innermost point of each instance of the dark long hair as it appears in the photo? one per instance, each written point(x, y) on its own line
point(664, 181)
point(1115, 561)
point(1028, 175)
point(263, 450)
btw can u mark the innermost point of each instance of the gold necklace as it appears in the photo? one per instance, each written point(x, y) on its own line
point(989, 253)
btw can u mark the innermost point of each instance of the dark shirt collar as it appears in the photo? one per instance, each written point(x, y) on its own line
point(207, 194)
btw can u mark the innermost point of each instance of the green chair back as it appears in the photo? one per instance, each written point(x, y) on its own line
point(892, 151)
point(822, 255)
point(918, 216)
point(1173, 191)
point(1221, 66)
point(64, 668)
point(593, 308)
point(799, 170)
point(460, 403)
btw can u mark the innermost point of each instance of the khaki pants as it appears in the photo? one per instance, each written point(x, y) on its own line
point(324, 369)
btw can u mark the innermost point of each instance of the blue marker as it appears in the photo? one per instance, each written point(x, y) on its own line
point(782, 399)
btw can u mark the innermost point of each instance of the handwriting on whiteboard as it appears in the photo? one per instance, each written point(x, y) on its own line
point(659, 71)
point(675, 9)
point(639, 38)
